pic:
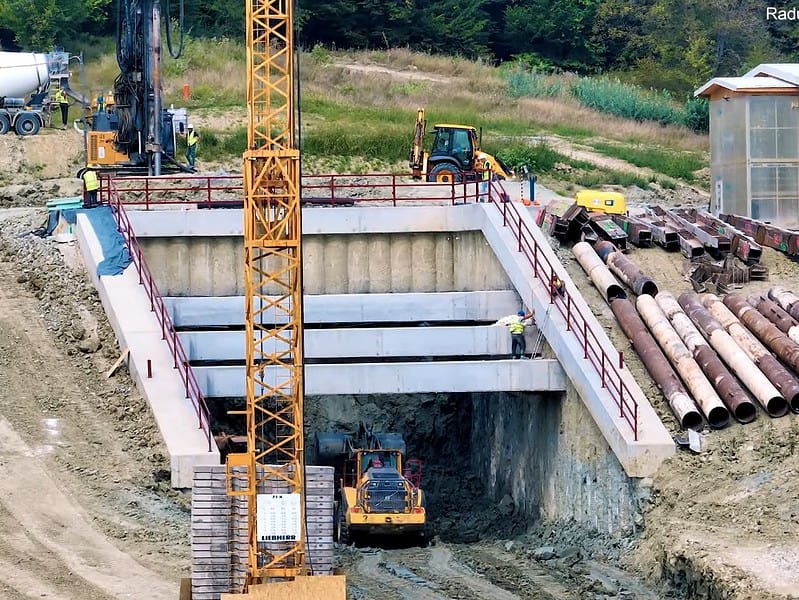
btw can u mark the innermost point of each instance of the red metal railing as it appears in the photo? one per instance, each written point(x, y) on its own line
point(219, 191)
point(389, 190)
point(168, 332)
point(608, 368)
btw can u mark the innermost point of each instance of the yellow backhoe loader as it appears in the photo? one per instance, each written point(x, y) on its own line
point(455, 156)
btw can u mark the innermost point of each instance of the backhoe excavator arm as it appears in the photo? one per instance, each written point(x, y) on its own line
point(417, 159)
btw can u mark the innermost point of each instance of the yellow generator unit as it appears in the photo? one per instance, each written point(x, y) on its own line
point(607, 202)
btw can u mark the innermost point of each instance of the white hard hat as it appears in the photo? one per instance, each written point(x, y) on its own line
point(189, 126)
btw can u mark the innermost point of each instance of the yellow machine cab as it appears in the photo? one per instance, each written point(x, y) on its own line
point(609, 202)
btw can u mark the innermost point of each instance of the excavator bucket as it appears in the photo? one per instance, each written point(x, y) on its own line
point(329, 587)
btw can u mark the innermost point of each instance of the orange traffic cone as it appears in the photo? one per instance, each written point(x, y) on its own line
point(525, 201)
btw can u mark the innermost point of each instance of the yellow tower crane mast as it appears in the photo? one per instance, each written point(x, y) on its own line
point(273, 306)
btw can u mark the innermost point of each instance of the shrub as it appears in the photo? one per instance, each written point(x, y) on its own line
point(627, 101)
point(696, 116)
point(533, 83)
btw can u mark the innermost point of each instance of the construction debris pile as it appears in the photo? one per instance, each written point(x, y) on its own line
point(718, 252)
point(714, 358)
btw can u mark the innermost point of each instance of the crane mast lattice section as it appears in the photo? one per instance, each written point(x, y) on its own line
point(273, 286)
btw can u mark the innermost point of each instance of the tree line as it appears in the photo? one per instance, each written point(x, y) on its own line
point(667, 44)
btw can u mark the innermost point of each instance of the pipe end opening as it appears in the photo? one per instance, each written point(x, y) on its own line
point(615, 291)
point(692, 420)
point(650, 288)
point(777, 406)
point(745, 412)
point(719, 417)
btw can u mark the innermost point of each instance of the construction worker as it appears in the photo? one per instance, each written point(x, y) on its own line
point(91, 183)
point(557, 286)
point(485, 177)
point(516, 327)
point(63, 102)
point(191, 145)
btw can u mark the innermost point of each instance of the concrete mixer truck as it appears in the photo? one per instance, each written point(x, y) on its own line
point(25, 79)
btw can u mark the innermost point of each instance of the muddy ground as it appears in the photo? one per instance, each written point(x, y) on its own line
point(86, 510)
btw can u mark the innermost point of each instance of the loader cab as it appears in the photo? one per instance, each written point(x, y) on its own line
point(389, 459)
point(456, 142)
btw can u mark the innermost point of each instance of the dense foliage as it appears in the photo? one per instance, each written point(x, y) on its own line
point(667, 44)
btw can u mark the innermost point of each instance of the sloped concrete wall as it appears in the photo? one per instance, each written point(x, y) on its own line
point(334, 264)
point(548, 455)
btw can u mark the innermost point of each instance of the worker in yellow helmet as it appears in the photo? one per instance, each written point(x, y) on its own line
point(61, 99)
point(485, 177)
point(192, 137)
point(91, 183)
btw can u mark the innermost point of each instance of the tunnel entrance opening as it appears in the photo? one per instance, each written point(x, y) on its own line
point(438, 430)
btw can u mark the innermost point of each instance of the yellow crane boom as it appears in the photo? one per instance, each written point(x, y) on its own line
point(273, 310)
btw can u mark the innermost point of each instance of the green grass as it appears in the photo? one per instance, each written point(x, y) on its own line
point(627, 101)
point(679, 165)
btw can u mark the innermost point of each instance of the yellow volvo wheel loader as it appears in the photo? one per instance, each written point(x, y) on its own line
point(377, 490)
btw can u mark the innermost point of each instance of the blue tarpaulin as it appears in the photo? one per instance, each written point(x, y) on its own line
point(116, 254)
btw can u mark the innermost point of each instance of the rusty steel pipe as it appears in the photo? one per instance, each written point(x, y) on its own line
point(786, 299)
point(753, 378)
point(727, 386)
point(597, 271)
point(666, 379)
point(768, 333)
point(777, 374)
point(603, 248)
point(777, 315)
point(683, 362)
point(631, 274)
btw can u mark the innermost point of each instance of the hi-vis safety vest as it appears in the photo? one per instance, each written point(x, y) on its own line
point(91, 181)
point(61, 97)
point(191, 139)
point(486, 170)
point(517, 326)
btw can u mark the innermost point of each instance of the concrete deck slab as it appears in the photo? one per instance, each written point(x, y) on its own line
point(136, 327)
point(640, 458)
point(355, 308)
point(361, 343)
point(541, 375)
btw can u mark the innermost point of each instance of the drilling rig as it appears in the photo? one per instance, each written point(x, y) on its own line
point(275, 454)
point(131, 132)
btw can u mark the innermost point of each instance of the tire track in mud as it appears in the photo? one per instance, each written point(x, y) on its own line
point(445, 572)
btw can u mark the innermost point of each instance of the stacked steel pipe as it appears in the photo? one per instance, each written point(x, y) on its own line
point(626, 270)
point(656, 363)
point(727, 386)
point(776, 373)
point(744, 368)
point(775, 313)
point(768, 333)
point(786, 299)
point(603, 279)
point(683, 361)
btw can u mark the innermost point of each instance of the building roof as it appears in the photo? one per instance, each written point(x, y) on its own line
point(747, 83)
point(786, 72)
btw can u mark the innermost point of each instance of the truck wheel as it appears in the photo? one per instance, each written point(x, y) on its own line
point(445, 173)
point(5, 123)
point(27, 124)
point(342, 531)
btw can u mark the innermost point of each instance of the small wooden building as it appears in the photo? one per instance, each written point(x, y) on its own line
point(754, 143)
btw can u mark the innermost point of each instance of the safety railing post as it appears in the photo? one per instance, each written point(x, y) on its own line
point(585, 338)
point(208, 187)
point(621, 359)
point(602, 368)
point(621, 401)
point(147, 194)
point(174, 346)
point(568, 312)
point(394, 187)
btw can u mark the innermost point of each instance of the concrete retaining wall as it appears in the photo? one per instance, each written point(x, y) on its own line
point(547, 454)
point(334, 264)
